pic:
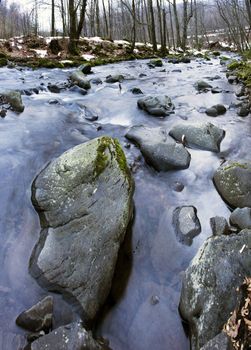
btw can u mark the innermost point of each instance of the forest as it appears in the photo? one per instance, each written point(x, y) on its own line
point(161, 22)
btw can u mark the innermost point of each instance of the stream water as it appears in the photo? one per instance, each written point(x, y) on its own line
point(142, 312)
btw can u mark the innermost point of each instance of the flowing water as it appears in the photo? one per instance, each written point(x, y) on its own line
point(142, 312)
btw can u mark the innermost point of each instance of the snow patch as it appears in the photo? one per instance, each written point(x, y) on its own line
point(88, 57)
point(40, 53)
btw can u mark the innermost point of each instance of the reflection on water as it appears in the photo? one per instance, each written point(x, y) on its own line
point(142, 310)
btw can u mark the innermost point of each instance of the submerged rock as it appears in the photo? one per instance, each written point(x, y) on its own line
point(202, 85)
point(186, 224)
point(209, 286)
point(70, 337)
point(205, 136)
point(233, 182)
point(14, 99)
point(159, 149)
point(241, 218)
point(84, 200)
point(158, 105)
point(219, 226)
point(117, 78)
point(38, 317)
point(78, 78)
point(136, 91)
point(76, 88)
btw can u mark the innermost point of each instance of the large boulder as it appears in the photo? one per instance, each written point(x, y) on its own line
point(159, 149)
point(78, 78)
point(14, 99)
point(209, 286)
point(204, 136)
point(38, 317)
point(158, 105)
point(241, 218)
point(70, 337)
point(84, 200)
point(233, 182)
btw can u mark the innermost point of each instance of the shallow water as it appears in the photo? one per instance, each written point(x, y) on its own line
point(142, 312)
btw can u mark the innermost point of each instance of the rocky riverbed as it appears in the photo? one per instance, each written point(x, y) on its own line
point(67, 219)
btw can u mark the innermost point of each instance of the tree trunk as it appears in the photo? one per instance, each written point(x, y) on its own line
point(52, 18)
point(153, 33)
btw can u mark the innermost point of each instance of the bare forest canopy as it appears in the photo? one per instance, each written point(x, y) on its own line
point(169, 23)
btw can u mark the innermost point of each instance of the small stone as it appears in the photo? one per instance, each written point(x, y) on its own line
point(216, 90)
point(76, 88)
point(118, 78)
point(202, 85)
point(232, 79)
point(3, 113)
point(186, 224)
point(136, 91)
point(127, 145)
point(86, 68)
point(219, 226)
point(211, 112)
point(96, 81)
point(240, 91)
point(243, 111)
point(178, 186)
point(54, 88)
point(53, 102)
point(154, 300)
point(38, 317)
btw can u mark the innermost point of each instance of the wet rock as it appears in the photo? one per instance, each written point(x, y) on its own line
point(38, 317)
point(54, 88)
point(219, 226)
point(78, 78)
point(136, 91)
point(69, 337)
point(96, 81)
point(84, 200)
point(232, 79)
point(220, 342)
point(34, 336)
point(76, 88)
point(174, 60)
point(177, 71)
point(216, 90)
point(142, 75)
point(209, 286)
point(202, 85)
point(158, 105)
point(156, 62)
point(186, 224)
point(216, 110)
point(244, 110)
point(159, 149)
point(240, 91)
point(178, 186)
point(14, 99)
point(118, 78)
point(89, 114)
point(204, 136)
point(233, 182)
point(3, 113)
point(53, 102)
point(86, 68)
point(215, 77)
point(211, 112)
point(241, 218)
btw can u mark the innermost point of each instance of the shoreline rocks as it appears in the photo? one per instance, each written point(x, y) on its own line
point(84, 201)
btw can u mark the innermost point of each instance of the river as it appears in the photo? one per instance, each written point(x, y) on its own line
point(142, 310)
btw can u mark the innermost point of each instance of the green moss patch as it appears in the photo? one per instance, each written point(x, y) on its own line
point(236, 165)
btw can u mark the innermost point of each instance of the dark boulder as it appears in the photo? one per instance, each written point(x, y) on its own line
point(158, 105)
